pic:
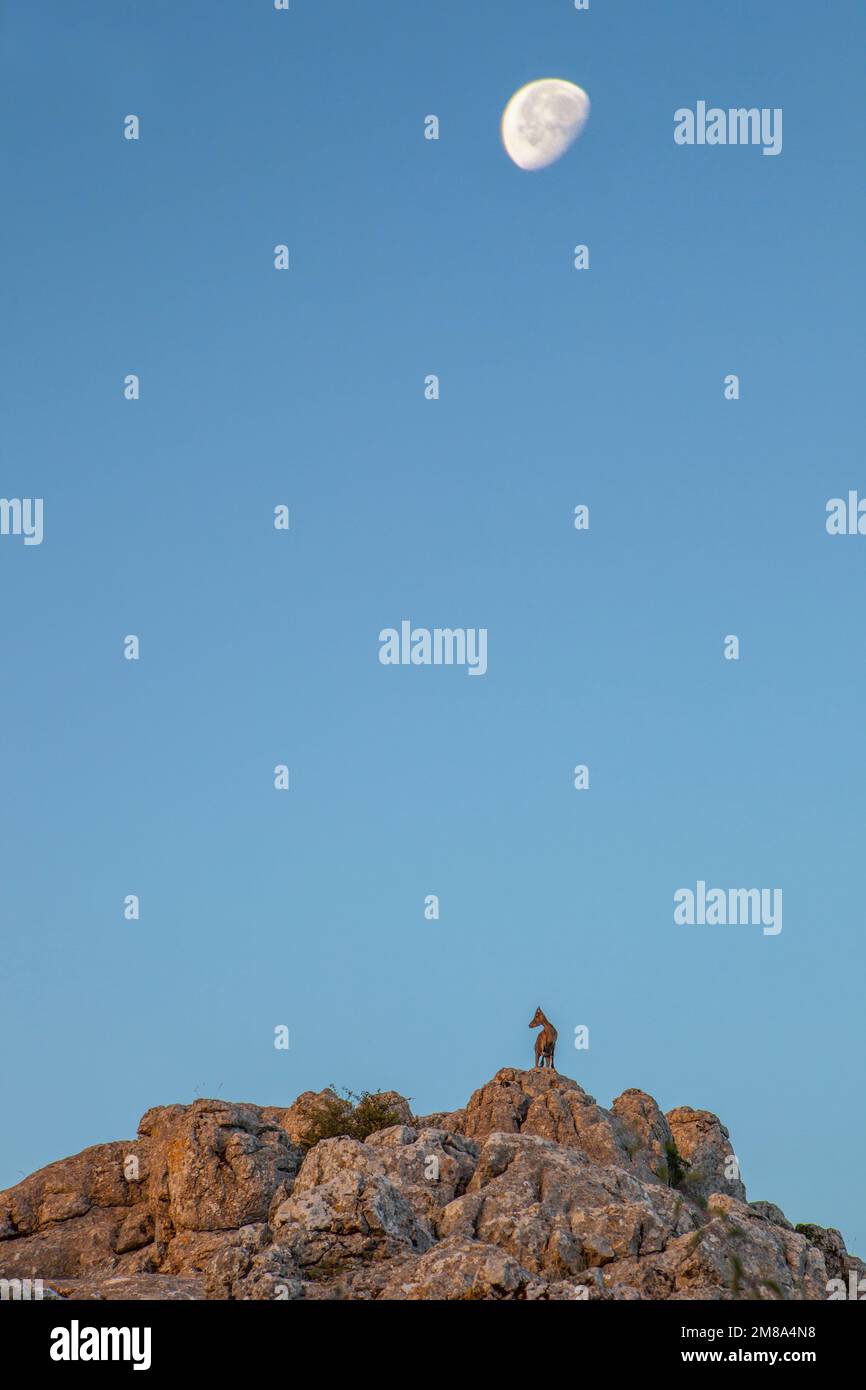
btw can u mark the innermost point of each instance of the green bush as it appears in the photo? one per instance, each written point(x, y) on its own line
point(676, 1169)
point(806, 1228)
point(348, 1115)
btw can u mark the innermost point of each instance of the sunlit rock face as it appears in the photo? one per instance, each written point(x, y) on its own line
point(531, 1191)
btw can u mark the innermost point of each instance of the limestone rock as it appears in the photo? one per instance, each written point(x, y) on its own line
point(297, 1119)
point(771, 1213)
point(343, 1207)
point(532, 1192)
point(837, 1259)
point(559, 1213)
point(132, 1287)
point(705, 1144)
point(461, 1269)
point(430, 1167)
point(220, 1166)
point(644, 1131)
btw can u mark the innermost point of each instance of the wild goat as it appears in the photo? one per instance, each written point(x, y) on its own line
point(545, 1043)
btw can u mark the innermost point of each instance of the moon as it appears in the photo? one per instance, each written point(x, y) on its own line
point(542, 120)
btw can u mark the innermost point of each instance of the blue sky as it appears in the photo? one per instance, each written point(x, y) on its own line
point(305, 387)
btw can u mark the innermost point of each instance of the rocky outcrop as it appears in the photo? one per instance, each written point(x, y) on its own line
point(533, 1191)
point(840, 1264)
point(705, 1145)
